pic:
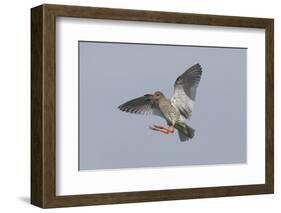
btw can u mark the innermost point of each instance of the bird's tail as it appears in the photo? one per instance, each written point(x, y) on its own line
point(185, 131)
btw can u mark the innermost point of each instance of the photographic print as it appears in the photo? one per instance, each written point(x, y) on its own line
point(157, 105)
point(137, 106)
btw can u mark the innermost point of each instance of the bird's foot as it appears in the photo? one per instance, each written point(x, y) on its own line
point(162, 129)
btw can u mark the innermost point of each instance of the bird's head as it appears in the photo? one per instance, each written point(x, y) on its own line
point(157, 95)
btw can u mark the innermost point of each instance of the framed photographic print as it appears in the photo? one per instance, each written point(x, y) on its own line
point(135, 106)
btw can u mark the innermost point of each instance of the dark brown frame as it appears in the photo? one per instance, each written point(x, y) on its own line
point(43, 105)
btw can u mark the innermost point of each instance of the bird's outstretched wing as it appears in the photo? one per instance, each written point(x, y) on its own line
point(185, 90)
point(142, 105)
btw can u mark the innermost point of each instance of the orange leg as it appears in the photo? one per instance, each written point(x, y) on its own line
point(162, 129)
point(167, 129)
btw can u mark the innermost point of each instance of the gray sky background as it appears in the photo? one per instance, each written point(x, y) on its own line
point(113, 73)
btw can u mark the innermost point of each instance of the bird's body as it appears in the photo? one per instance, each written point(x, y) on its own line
point(174, 118)
point(170, 113)
point(174, 110)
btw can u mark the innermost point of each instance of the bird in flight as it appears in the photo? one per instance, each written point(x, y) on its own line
point(175, 109)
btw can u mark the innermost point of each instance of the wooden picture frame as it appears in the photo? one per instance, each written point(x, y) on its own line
point(43, 105)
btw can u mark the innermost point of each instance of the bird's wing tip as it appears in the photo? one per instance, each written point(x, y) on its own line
point(198, 65)
point(120, 107)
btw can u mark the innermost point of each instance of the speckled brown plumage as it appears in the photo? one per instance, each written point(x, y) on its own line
point(174, 110)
